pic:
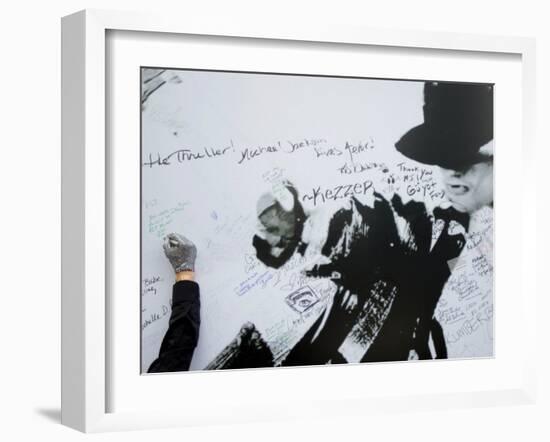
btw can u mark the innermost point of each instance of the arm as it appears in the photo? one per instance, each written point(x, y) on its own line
point(180, 340)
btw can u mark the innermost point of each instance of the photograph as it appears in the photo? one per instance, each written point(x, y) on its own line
point(299, 220)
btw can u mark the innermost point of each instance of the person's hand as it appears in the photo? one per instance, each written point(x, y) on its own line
point(181, 252)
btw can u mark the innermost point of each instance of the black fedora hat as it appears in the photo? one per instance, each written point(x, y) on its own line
point(458, 121)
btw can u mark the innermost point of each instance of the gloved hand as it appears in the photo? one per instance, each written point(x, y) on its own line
point(180, 251)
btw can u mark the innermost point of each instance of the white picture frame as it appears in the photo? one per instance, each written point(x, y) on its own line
point(86, 211)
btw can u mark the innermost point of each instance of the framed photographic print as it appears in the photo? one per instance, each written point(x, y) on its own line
point(274, 221)
point(341, 246)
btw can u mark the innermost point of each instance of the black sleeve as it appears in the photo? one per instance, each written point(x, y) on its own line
point(181, 338)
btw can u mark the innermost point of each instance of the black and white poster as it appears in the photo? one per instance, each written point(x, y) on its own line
point(336, 220)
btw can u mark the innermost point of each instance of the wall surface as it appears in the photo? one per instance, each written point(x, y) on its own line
point(30, 221)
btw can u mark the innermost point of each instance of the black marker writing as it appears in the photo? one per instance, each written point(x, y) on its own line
point(319, 196)
point(250, 153)
point(186, 155)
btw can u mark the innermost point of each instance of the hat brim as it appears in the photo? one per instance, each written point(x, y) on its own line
point(424, 145)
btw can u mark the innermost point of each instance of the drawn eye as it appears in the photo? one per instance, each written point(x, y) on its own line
point(304, 302)
point(305, 299)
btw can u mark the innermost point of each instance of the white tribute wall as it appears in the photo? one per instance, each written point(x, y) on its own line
point(214, 142)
